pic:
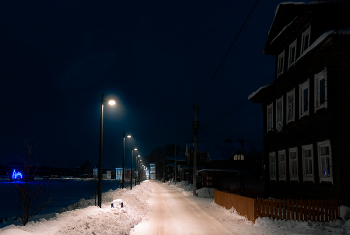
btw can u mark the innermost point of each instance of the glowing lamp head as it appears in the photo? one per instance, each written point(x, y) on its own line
point(111, 102)
point(135, 148)
point(129, 136)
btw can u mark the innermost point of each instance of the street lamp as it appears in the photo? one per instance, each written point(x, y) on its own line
point(132, 154)
point(111, 102)
point(128, 136)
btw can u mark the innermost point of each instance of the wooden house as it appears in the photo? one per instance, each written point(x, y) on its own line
point(306, 120)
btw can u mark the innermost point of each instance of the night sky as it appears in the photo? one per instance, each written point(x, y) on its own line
point(154, 58)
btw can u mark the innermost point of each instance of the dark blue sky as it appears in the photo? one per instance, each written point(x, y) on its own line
point(155, 58)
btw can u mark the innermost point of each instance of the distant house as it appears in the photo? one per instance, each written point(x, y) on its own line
point(306, 108)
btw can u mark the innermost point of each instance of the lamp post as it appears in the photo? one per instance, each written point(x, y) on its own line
point(111, 102)
point(123, 181)
point(140, 171)
point(137, 158)
point(132, 154)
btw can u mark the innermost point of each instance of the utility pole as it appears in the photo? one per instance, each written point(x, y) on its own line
point(195, 131)
point(175, 163)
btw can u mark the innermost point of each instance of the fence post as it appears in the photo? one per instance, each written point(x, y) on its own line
point(288, 209)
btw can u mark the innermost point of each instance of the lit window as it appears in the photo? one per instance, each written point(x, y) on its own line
point(279, 111)
point(280, 64)
point(305, 40)
point(292, 53)
point(269, 116)
point(325, 161)
point(290, 105)
point(282, 165)
point(308, 160)
point(304, 99)
point(272, 159)
point(293, 164)
point(321, 90)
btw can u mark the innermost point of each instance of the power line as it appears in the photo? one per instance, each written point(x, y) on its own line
point(229, 49)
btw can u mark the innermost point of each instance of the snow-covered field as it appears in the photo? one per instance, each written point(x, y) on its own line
point(85, 218)
point(63, 192)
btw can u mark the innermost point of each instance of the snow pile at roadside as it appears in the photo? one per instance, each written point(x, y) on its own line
point(206, 192)
point(85, 218)
point(184, 187)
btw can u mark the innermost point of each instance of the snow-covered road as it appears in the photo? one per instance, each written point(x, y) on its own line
point(172, 213)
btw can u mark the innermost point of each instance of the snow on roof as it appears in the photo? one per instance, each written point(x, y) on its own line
point(283, 30)
point(256, 92)
point(323, 37)
point(283, 3)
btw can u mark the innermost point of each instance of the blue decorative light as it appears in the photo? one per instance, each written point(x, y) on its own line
point(16, 175)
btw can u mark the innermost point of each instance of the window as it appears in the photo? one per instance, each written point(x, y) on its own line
point(290, 105)
point(304, 99)
point(280, 63)
point(238, 157)
point(305, 40)
point(321, 90)
point(282, 165)
point(279, 111)
point(272, 158)
point(325, 161)
point(269, 117)
point(292, 53)
point(308, 166)
point(293, 164)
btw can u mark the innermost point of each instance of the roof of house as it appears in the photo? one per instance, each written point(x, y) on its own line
point(255, 97)
point(294, 15)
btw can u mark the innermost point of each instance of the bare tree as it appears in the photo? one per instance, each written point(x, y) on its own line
point(30, 199)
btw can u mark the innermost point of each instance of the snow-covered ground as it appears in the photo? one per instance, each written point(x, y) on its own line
point(84, 218)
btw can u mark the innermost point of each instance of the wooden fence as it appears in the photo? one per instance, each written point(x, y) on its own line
point(286, 209)
point(245, 206)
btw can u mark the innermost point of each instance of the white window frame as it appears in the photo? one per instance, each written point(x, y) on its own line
point(322, 177)
point(304, 34)
point(293, 44)
point(279, 72)
point(280, 177)
point(272, 154)
point(303, 148)
point(318, 77)
point(277, 101)
point(292, 92)
point(301, 100)
point(267, 114)
point(291, 177)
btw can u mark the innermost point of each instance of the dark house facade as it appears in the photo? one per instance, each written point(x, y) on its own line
point(306, 121)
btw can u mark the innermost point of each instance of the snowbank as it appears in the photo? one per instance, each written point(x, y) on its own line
point(86, 218)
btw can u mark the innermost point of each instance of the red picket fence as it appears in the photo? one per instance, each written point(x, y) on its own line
point(302, 210)
point(282, 209)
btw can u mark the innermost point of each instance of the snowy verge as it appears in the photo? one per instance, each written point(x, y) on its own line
point(86, 218)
